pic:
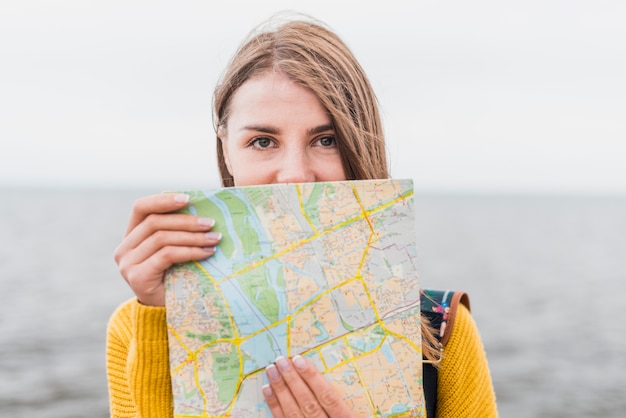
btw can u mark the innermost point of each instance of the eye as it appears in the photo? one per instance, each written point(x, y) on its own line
point(327, 141)
point(261, 143)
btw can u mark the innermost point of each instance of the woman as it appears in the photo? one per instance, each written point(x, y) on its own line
point(293, 106)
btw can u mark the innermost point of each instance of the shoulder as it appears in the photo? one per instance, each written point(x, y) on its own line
point(464, 329)
point(464, 349)
point(464, 376)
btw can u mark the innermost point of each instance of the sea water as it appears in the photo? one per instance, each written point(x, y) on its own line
point(546, 276)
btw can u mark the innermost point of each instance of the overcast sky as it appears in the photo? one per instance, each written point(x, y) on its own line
point(476, 96)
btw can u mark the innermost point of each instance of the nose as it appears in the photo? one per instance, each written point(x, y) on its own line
point(295, 167)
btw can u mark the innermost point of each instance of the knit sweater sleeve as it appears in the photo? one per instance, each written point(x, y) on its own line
point(138, 363)
point(465, 387)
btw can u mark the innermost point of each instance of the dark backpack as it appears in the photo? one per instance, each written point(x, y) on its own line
point(439, 306)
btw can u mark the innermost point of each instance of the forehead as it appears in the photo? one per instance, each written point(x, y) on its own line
point(273, 95)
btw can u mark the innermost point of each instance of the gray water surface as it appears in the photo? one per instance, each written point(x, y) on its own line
point(546, 277)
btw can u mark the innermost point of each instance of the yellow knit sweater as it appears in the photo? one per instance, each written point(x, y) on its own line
point(139, 379)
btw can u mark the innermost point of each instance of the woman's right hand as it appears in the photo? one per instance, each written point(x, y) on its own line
point(156, 238)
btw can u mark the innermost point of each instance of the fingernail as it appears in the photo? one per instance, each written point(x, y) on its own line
point(181, 198)
point(272, 373)
point(213, 236)
point(282, 363)
point(267, 391)
point(210, 250)
point(299, 363)
point(206, 222)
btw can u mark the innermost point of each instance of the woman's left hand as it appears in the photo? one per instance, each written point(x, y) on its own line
point(297, 389)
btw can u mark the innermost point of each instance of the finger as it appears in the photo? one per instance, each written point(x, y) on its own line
point(161, 203)
point(306, 400)
point(272, 402)
point(161, 241)
point(284, 397)
point(324, 392)
point(154, 223)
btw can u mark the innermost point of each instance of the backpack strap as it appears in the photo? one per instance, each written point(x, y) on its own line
point(440, 307)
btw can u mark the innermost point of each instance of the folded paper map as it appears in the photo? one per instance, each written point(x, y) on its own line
point(324, 270)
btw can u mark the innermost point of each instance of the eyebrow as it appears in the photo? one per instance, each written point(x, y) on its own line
point(320, 129)
point(274, 131)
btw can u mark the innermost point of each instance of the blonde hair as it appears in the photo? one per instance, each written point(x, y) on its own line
point(312, 55)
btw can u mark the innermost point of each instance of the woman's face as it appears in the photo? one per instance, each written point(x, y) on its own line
point(279, 132)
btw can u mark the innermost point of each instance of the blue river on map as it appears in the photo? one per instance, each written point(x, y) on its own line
point(265, 347)
point(248, 317)
point(240, 255)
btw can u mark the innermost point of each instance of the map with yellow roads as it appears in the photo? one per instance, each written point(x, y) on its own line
point(324, 270)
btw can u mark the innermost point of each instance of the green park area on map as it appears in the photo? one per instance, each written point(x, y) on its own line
point(324, 270)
